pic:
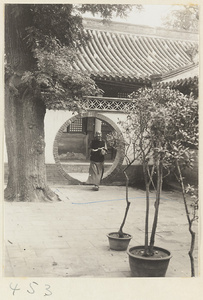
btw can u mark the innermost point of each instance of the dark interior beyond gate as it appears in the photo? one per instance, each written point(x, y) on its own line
point(75, 140)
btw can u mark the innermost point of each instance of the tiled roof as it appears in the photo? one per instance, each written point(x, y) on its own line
point(191, 71)
point(182, 77)
point(132, 55)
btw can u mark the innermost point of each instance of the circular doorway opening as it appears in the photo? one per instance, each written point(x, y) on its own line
point(71, 146)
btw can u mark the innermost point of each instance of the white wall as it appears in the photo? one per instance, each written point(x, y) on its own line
point(55, 119)
point(52, 123)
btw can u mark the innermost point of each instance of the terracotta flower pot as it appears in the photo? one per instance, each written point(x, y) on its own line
point(117, 243)
point(152, 266)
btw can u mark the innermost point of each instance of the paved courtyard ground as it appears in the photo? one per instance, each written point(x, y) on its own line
point(68, 238)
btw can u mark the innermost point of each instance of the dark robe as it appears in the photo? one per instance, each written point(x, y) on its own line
point(96, 168)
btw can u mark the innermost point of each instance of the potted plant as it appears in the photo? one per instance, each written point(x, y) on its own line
point(119, 240)
point(149, 127)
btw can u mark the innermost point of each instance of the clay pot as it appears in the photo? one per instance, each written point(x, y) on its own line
point(152, 266)
point(117, 243)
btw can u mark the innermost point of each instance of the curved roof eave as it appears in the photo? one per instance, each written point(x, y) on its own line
point(191, 71)
point(116, 54)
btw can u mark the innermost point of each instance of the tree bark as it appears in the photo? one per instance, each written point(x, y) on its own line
point(121, 235)
point(157, 203)
point(145, 166)
point(24, 128)
point(24, 118)
point(192, 243)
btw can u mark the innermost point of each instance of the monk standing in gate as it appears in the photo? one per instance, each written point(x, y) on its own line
point(98, 150)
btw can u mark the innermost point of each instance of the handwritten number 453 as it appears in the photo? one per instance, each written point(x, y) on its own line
point(31, 289)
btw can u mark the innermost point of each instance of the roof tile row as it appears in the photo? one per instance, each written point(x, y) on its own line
point(111, 54)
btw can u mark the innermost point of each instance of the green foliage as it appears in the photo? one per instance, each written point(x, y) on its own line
point(193, 193)
point(58, 78)
point(164, 122)
point(52, 23)
point(161, 131)
point(105, 10)
point(167, 120)
point(52, 34)
point(186, 18)
point(108, 11)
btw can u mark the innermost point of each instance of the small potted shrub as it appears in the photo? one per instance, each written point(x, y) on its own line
point(119, 240)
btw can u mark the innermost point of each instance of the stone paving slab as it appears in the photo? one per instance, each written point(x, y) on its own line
point(68, 238)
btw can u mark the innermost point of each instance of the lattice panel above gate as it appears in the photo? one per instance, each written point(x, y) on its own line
point(108, 104)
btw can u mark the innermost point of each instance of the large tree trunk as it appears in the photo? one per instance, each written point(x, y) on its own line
point(24, 118)
point(24, 127)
